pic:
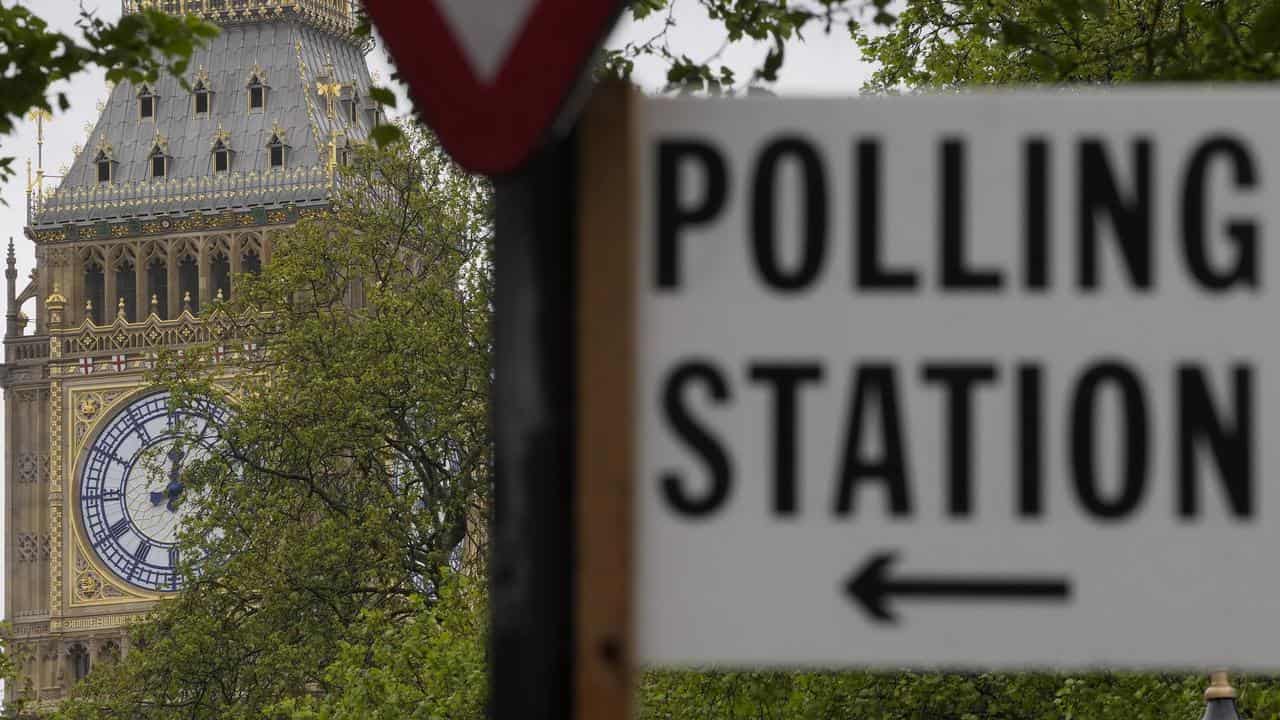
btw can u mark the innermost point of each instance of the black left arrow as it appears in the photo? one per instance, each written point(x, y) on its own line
point(871, 587)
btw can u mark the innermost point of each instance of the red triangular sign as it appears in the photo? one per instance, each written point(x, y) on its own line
point(490, 76)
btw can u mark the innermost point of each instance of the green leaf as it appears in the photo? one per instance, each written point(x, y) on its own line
point(383, 96)
point(384, 135)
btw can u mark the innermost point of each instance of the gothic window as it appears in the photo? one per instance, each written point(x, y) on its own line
point(189, 282)
point(276, 150)
point(250, 262)
point(159, 162)
point(221, 157)
point(103, 162)
point(220, 275)
point(344, 153)
point(79, 656)
point(354, 107)
point(146, 104)
point(127, 288)
point(94, 289)
point(158, 286)
point(202, 97)
point(257, 94)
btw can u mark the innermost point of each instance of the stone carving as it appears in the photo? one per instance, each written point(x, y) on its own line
point(90, 406)
point(31, 468)
point(91, 586)
point(99, 622)
point(55, 497)
point(30, 629)
point(32, 547)
point(31, 397)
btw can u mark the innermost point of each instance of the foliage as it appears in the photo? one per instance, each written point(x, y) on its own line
point(33, 57)
point(940, 696)
point(334, 527)
point(12, 655)
point(430, 665)
point(954, 43)
point(774, 23)
point(951, 44)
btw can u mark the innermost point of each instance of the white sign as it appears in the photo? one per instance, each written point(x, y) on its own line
point(963, 381)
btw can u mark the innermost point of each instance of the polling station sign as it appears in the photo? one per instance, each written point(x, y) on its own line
point(966, 381)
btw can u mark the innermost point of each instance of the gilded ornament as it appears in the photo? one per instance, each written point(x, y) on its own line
point(88, 585)
point(89, 407)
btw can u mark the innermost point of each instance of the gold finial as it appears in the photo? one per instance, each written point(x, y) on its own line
point(155, 305)
point(56, 299)
point(330, 92)
point(186, 301)
point(221, 135)
point(218, 297)
point(88, 310)
point(120, 309)
point(1219, 687)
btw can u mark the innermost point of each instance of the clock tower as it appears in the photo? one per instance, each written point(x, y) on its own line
point(177, 191)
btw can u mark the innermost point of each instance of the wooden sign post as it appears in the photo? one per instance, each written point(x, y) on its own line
point(606, 368)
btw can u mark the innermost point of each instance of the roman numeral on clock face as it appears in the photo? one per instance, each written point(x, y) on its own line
point(118, 530)
point(144, 549)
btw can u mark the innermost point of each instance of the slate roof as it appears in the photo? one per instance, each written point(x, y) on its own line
point(293, 57)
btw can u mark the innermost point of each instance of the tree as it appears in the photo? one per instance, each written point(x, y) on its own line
point(950, 44)
point(778, 23)
point(33, 57)
point(333, 538)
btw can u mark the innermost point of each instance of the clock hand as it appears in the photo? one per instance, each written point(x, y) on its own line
point(175, 455)
point(174, 491)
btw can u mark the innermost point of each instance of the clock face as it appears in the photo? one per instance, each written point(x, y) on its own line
point(131, 491)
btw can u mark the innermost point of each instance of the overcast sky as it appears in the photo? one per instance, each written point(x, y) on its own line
point(822, 64)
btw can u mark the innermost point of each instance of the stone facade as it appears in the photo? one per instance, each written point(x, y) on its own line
point(127, 265)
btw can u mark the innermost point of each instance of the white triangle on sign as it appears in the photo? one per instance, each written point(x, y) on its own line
point(486, 30)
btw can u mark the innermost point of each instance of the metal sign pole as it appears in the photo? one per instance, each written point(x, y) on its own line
point(532, 531)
